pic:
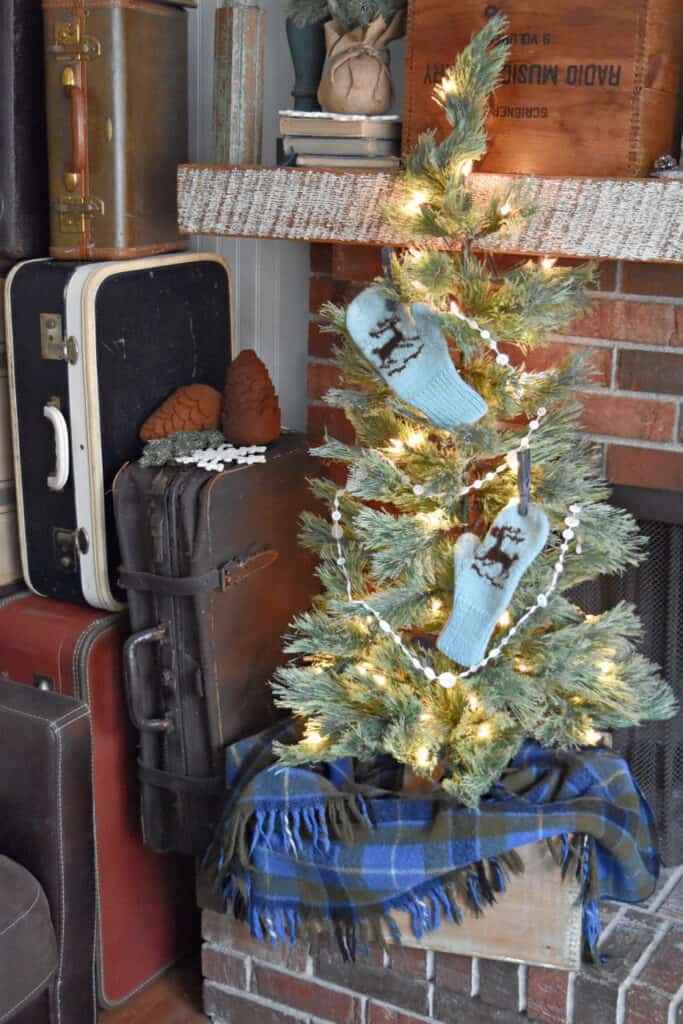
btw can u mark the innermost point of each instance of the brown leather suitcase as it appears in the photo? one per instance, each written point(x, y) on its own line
point(214, 575)
point(145, 902)
point(116, 79)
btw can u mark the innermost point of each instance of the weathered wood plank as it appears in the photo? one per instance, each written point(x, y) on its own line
point(593, 218)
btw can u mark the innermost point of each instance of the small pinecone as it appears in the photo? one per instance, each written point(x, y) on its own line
point(251, 412)
point(195, 407)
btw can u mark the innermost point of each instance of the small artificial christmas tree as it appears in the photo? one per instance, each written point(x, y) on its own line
point(444, 635)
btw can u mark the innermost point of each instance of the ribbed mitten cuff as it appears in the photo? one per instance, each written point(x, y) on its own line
point(466, 635)
point(448, 401)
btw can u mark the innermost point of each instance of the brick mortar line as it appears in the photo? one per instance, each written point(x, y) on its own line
point(475, 979)
point(635, 442)
point(637, 970)
point(412, 1013)
point(666, 889)
point(569, 1002)
point(640, 346)
point(522, 988)
point(654, 396)
point(650, 300)
point(678, 422)
point(674, 1006)
point(618, 277)
point(430, 971)
point(322, 361)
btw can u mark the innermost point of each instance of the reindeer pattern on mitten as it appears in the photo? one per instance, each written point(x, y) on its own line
point(494, 562)
point(398, 349)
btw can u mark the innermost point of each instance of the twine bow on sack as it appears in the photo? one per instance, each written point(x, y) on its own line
point(343, 49)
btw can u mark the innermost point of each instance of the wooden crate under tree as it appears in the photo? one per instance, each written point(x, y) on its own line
point(590, 88)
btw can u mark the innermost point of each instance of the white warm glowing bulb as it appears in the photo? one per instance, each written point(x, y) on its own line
point(473, 702)
point(363, 667)
point(415, 439)
point(522, 667)
point(447, 85)
point(434, 520)
point(548, 262)
point(466, 168)
point(454, 308)
point(318, 670)
point(416, 201)
point(505, 620)
point(605, 667)
point(396, 445)
point(592, 737)
point(422, 756)
point(506, 209)
point(437, 605)
point(485, 731)
point(380, 679)
point(313, 738)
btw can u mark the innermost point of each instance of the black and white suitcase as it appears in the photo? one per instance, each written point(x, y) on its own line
point(93, 349)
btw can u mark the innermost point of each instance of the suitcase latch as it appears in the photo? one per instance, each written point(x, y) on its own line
point(71, 44)
point(53, 345)
point(74, 212)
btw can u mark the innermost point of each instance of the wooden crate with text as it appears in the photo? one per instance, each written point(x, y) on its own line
point(589, 89)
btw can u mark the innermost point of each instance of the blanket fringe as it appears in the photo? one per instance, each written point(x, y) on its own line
point(336, 819)
point(352, 931)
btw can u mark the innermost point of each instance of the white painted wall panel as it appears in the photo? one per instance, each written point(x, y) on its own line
point(270, 278)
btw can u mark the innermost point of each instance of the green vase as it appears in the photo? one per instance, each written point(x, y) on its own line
point(307, 47)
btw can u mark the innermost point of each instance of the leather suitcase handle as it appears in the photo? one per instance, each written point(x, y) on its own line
point(72, 81)
point(153, 635)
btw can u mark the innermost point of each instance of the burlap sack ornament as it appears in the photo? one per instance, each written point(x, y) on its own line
point(356, 77)
point(251, 411)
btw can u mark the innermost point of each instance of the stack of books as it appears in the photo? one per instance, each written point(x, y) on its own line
point(345, 141)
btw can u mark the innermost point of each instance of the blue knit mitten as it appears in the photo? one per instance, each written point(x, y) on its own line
point(486, 577)
point(411, 354)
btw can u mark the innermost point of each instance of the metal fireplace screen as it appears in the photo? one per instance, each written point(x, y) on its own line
point(654, 751)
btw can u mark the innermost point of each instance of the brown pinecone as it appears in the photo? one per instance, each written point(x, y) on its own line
point(251, 411)
point(195, 407)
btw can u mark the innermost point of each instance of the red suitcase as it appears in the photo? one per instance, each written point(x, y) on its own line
point(145, 900)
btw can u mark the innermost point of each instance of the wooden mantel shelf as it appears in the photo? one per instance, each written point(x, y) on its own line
point(601, 218)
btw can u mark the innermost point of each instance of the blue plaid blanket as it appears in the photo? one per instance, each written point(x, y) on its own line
point(340, 845)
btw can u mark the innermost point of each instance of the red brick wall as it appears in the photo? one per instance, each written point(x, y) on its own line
point(641, 982)
point(634, 332)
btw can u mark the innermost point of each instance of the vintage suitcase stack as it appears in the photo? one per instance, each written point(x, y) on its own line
point(98, 336)
point(145, 905)
point(93, 349)
point(214, 575)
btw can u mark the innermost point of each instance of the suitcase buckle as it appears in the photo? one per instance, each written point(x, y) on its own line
point(70, 44)
point(237, 570)
point(74, 210)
